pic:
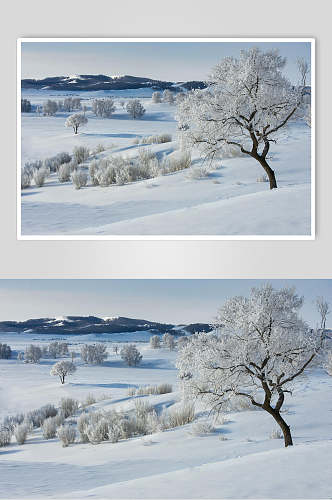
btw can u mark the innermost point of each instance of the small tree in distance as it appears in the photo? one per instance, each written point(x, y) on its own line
point(131, 355)
point(32, 354)
point(155, 341)
point(261, 347)
point(247, 103)
point(323, 308)
point(135, 109)
point(168, 341)
point(156, 97)
point(75, 121)
point(62, 369)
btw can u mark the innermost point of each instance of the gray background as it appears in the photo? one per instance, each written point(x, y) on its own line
point(165, 259)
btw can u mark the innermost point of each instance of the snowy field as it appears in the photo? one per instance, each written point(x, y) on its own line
point(238, 460)
point(228, 202)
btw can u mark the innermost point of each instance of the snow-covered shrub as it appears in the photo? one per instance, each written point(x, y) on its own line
point(131, 391)
point(5, 351)
point(98, 431)
point(39, 176)
point(64, 172)
point(94, 354)
point(80, 154)
point(135, 109)
point(59, 418)
point(276, 434)
point(142, 408)
point(198, 172)
point(67, 435)
point(10, 422)
point(162, 388)
point(49, 410)
point(49, 428)
point(20, 356)
point(168, 341)
point(176, 163)
point(202, 427)
point(32, 354)
point(181, 342)
point(62, 369)
point(79, 178)
point(131, 355)
point(90, 400)
point(155, 341)
point(28, 423)
point(25, 179)
point(262, 178)
point(82, 425)
point(99, 148)
point(69, 406)
point(31, 166)
point(176, 417)
point(5, 437)
point(136, 140)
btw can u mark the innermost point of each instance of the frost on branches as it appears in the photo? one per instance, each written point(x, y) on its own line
point(62, 369)
point(246, 104)
point(260, 347)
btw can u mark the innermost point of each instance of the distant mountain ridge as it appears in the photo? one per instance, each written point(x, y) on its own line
point(81, 325)
point(104, 82)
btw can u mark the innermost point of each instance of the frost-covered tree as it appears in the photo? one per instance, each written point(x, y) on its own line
point(104, 108)
point(76, 121)
point(50, 108)
point(156, 97)
point(168, 341)
point(62, 369)
point(304, 69)
point(247, 103)
point(260, 347)
point(323, 308)
point(32, 354)
point(94, 354)
point(135, 109)
point(131, 355)
point(168, 96)
point(155, 341)
point(5, 351)
point(57, 349)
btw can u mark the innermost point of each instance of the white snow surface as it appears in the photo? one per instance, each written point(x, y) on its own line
point(229, 201)
point(175, 464)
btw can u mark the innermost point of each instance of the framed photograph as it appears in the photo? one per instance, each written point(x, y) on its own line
point(166, 138)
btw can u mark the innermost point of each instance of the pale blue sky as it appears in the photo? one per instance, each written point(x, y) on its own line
point(173, 301)
point(174, 61)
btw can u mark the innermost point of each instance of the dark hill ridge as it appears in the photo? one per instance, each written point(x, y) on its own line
point(103, 82)
point(80, 325)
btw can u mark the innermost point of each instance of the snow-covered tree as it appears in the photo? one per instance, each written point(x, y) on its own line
point(50, 108)
point(135, 109)
point(104, 108)
point(260, 347)
point(94, 354)
point(32, 354)
point(247, 103)
point(5, 351)
point(168, 341)
point(155, 341)
point(75, 121)
point(25, 106)
point(62, 369)
point(168, 96)
point(156, 97)
point(131, 355)
point(323, 308)
point(304, 69)
point(57, 349)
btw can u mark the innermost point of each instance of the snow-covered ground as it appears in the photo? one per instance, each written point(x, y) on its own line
point(171, 464)
point(228, 202)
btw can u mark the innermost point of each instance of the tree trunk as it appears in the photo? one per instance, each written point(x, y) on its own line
point(75, 130)
point(269, 171)
point(283, 426)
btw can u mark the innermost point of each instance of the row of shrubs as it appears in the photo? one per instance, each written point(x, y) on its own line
point(147, 390)
point(120, 170)
point(62, 163)
point(153, 139)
